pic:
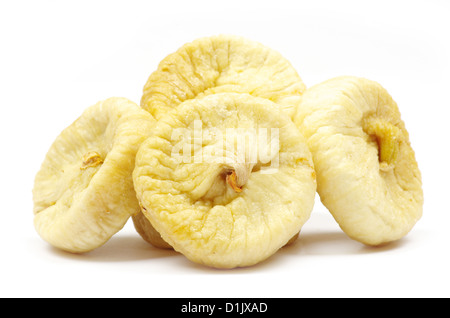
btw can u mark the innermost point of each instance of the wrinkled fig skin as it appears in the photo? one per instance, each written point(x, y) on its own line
point(221, 64)
point(367, 174)
point(232, 213)
point(213, 65)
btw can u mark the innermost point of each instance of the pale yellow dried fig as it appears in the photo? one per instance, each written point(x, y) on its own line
point(83, 193)
point(222, 63)
point(226, 179)
point(367, 174)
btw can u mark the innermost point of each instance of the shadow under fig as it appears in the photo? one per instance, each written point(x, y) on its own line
point(126, 248)
point(120, 248)
point(335, 243)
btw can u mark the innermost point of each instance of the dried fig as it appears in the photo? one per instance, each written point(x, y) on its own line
point(83, 193)
point(367, 174)
point(226, 179)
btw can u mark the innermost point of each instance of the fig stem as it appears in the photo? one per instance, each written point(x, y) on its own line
point(232, 182)
point(91, 159)
point(387, 137)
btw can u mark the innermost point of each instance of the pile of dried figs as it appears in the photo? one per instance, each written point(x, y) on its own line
point(223, 157)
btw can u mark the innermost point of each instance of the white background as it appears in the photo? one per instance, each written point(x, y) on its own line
point(59, 57)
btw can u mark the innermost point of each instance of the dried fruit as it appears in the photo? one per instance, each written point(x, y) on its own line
point(146, 230)
point(83, 193)
point(212, 65)
point(222, 64)
point(218, 193)
point(367, 174)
